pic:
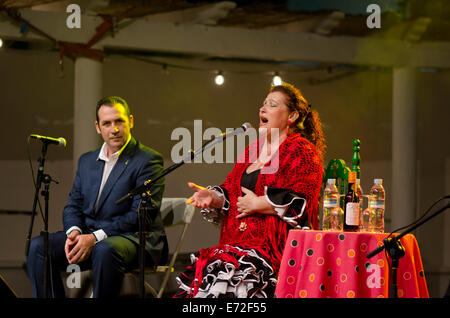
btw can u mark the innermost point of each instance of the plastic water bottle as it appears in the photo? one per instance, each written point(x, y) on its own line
point(377, 206)
point(333, 215)
point(364, 215)
point(364, 218)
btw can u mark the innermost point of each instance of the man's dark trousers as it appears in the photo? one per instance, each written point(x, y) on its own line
point(109, 260)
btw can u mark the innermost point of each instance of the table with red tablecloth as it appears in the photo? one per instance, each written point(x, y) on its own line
point(322, 264)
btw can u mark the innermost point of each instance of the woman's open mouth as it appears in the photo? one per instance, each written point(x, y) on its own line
point(263, 120)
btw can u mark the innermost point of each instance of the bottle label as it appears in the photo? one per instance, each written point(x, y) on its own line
point(377, 205)
point(330, 203)
point(352, 213)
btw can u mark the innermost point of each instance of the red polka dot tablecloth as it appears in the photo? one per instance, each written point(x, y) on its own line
point(334, 264)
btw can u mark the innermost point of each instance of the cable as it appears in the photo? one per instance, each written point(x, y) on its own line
point(32, 174)
point(411, 224)
point(208, 69)
point(423, 215)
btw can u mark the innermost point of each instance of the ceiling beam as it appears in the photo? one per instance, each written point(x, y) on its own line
point(24, 3)
point(143, 34)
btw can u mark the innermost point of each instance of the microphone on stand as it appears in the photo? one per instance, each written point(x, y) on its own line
point(236, 131)
point(217, 139)
point(147, 184)
point(49, 140)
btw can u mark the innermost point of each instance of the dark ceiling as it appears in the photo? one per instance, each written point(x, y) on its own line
point(411, 20)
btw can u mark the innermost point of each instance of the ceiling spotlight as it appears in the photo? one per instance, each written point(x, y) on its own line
point(276, 80)
point(219, 79)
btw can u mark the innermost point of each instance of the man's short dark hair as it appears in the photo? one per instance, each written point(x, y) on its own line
point(111, 101)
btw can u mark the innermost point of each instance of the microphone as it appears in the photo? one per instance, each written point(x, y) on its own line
point(236, 131)
point(147, 184)
point(49, 140)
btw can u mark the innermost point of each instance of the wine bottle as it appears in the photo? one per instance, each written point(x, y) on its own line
point(351, 210)
point(356, 160)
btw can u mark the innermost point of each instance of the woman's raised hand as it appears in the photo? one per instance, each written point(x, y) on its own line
point(202, 198)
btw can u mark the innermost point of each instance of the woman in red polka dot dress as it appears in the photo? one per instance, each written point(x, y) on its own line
point(273, 187)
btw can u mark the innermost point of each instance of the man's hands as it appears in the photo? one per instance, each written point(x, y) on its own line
point(78, 246)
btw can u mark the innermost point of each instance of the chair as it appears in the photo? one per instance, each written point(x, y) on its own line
point(174, 212)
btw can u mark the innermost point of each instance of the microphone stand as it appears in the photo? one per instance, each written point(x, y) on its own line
point(47, 257)
point(144, 192)
point(41, 177)
point(142, 213)
point(396, 250)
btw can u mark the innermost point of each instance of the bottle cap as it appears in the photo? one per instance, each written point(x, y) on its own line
point(378, 181)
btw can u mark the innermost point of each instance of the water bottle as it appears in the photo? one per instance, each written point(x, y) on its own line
point(364, 217)
point(332, 215)
point(377, 206)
